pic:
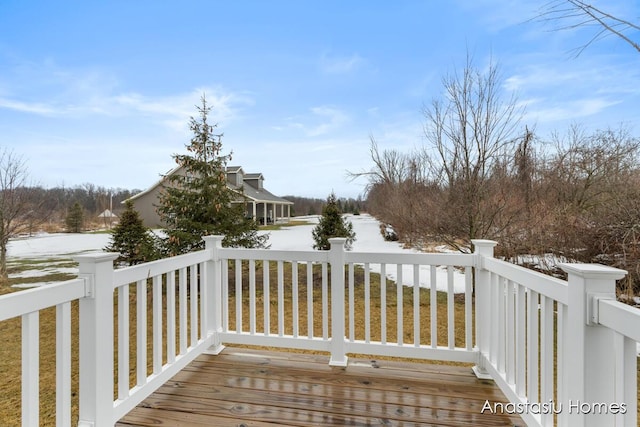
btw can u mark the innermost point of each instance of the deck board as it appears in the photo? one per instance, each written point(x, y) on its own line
point(247, 387)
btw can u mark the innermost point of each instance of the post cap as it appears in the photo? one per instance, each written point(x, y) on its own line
point(484, 243)
point(593, 271)
point(484, 247)
point(212, 241)
point(96, 257)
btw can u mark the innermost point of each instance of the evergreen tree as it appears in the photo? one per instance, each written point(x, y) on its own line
point(198, 202)
point(75, 218)
point(132, 239)
point(332, 224)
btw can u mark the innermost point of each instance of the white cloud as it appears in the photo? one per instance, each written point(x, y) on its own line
point(340, 64)
point(25, 107)
point(499, 14)
point(333, 118)
point(322, 121)
point(566, 110)
point(174, 111)
point(559, 91)
point(67, 93)
point(541, 74)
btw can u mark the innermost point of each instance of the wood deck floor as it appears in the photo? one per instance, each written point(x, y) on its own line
point(246, 387)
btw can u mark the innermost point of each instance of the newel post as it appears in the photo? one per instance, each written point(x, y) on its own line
point(336, 259)
point(589, 360)
point(96, 340)
point(212, 293)
point(483, 249)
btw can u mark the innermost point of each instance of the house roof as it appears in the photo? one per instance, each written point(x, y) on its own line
point(260, 195)
point(107, 214)
point(154, 186)
point(250, 192)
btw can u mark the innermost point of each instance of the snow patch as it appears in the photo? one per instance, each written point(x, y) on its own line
point(52, 245)
point(44, 272)
point(368, 239)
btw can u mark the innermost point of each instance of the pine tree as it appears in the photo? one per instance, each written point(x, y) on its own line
point(132, 239)
point(75, 218)
point(198, 202)
point(332, 224)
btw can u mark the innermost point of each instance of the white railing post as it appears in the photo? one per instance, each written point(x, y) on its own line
point(483, 249)
point(336, 259)
point(96, 340)
point(589, 360)
point(212, 292)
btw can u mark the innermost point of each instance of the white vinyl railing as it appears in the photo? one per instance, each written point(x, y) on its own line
point(337, 303)
point(27, 305)
point(562, 352)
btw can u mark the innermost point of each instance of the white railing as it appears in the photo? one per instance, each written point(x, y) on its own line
point(564, 353)
point(27, 305)
point(337, 302)
point(548, 344)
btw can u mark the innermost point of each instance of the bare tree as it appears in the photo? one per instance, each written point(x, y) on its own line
point(591, 180)
point(468, 133)
point(396, 191)
point(573, 14)
point(461, 184)
point(16, 205)
point(389, 166)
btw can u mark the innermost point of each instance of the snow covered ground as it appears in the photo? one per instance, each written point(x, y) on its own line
point(368, 239)
point(59, 245)
point(296, 238)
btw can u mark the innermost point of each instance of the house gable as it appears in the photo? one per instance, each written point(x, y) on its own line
point(255, 180)
point(235, 176)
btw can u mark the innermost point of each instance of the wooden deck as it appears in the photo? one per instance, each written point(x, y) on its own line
point(246, 387)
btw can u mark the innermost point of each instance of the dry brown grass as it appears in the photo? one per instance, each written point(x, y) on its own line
point(359, 306)
point(10, 366)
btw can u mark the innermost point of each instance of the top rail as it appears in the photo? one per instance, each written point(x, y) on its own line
point(35, 299)
point(155, 268)
point(620, 317)
point(458, 260)
point(273, 255)
point(551, 287)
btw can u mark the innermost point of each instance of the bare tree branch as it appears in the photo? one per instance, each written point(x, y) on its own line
point(588, 15)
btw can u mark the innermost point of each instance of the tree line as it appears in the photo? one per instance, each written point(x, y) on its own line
point(314, 206)
point(481, 174)
point(50, 206)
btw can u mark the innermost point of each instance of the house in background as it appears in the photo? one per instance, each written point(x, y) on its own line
point(261, 205)
point(108, 217)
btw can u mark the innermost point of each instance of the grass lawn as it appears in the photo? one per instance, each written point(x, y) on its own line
point(46, 267)
point(291, 223)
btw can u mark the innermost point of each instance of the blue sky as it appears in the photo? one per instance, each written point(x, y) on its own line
point(101, 92)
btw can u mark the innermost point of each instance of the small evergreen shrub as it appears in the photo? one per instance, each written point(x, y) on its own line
point(332, 224)
point(135, 243)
